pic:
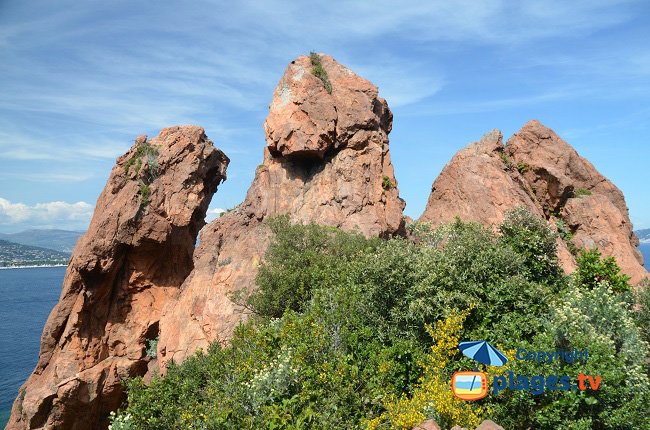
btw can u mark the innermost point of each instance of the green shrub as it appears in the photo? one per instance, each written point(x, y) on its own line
point(599, 321)
point(594, 270)
point(386, 183)
point(122, 421)
point(506, 160)
point(144, 191)
point(642, 315)
point(581, 192)
point(152, 348)
point(319, 71)
point(147, 152)
point(523, 167)
point(340, 333)
point(300, 258)
point(531, 237)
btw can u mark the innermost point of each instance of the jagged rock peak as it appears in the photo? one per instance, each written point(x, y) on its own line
point(326, 160)
point(537, 170)
point(568, 187)
point(136, 252)
point(478, 185)
point(557, 166)
point(305, 119)
point(490, 143)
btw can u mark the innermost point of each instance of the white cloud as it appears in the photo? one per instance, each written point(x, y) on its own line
point(46, 215)
point(214, 213)
point(86, 77)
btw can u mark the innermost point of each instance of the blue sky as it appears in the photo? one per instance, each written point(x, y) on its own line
point(80, 79)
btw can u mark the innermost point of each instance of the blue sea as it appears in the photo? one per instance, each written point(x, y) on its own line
point(26, 298)
point(645, 250)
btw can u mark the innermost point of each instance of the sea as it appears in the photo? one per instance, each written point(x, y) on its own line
point(26, 298)
point(645, 250)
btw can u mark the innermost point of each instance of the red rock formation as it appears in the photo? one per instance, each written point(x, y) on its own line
point(478, 185)
point(136, 253)
point(427, 425)
point(539, 171)
point(326, 160)
point(568, 185)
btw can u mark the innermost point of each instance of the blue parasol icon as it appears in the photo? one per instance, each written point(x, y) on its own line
point(483, 352)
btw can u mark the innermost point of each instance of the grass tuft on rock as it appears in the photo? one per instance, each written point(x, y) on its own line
point(319, 71)
point(146, 155)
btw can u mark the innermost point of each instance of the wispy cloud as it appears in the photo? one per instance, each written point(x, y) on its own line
point(47, 215)
point(213, 214)
point(82, 79)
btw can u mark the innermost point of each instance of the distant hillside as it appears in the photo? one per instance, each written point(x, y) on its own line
point(58, 240)
point(643, 235)
point(15, 254)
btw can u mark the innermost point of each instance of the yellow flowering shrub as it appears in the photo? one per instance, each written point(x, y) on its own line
point(433, 396)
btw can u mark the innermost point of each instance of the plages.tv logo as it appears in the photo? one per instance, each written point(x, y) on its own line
point(467, 385)
point(473, 385)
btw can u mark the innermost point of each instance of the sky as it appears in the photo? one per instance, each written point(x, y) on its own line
point(79, 80)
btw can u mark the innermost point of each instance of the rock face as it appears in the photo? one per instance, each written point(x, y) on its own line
point(477, 185)
point(567, 184)
point(326, 160)
point(136, 253)
point(536, 169)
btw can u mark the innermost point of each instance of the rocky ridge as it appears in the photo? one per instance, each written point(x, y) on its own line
point(135, 276)
point(326, 160)
point(137, 251)
point(538, 170)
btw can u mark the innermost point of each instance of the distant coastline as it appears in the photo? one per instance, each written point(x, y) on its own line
point(36, 266)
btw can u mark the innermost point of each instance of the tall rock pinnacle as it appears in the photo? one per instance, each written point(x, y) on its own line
point(136, 253)
point(538, 170)
point(326, 160)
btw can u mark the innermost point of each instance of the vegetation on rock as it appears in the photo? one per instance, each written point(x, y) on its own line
point(145, 155)
point(350, 332)
point(319, 71)
point(386, 183)
point(581, 192)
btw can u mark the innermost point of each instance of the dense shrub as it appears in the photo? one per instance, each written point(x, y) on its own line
point(300, 258)
point(642, 315)
point(341, 337)
point(600, 321)
point(594, 270)
point(532, 238)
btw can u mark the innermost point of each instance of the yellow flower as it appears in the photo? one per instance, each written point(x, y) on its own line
point(433, 394)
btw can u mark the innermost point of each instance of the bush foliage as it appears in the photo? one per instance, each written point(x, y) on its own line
point(352, 332)
point(319, 71)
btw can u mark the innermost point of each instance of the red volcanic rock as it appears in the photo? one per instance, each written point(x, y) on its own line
point(427, 425)
point(135, 255)
point(489, 425)
point(326, 161)
point(478, 185)
point(566, 184)
point(541, 172)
